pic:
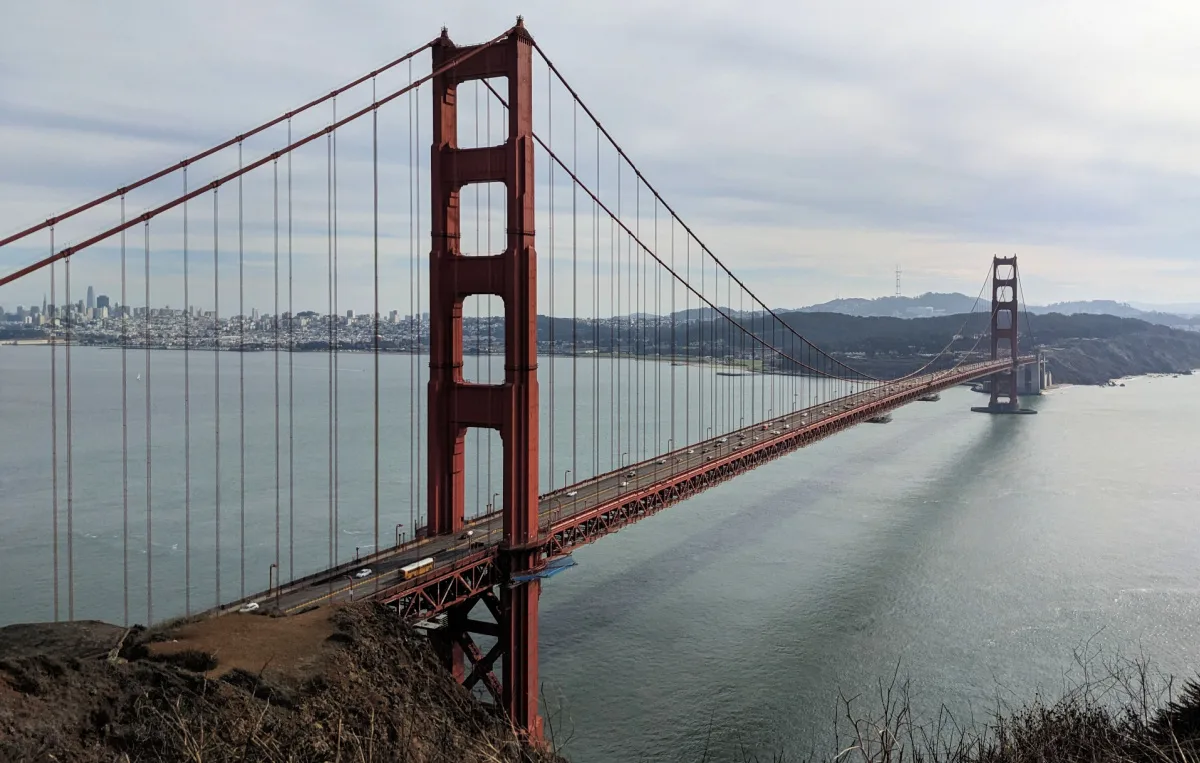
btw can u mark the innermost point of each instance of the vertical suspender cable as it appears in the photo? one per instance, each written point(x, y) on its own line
point(702, 367)
point(553, 361)
point(70, 459)
point(54, 422)
point(673, 341)
point(613, 303)
point(187, 416)
point(54, 428)
point(639, 309)
point(149, 450)
point(329, 326)
point(216, 393)
point(658, 341)
point(596, 318)
point(242, 373)
point(337, 454)
point(412, 323)
point(275, 338)
point(124, 429)
point(417, 189)
point(616, 327)
point(375, 321)
point(574, 307)
point(291, 329)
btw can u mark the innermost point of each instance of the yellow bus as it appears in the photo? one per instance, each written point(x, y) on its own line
point(419, 567)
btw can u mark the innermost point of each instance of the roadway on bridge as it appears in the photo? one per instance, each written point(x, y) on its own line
point(385, 568)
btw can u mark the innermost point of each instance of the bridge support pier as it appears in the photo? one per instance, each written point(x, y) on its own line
point(1004, 332)
point(512, 406)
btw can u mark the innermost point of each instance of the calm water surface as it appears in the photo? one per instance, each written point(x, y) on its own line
point(973, 551)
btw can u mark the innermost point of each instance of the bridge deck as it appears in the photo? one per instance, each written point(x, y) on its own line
point(593, 508)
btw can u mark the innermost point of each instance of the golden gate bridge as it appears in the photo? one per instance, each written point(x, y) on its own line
point(635, 302)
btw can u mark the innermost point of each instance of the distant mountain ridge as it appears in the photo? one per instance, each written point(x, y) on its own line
point(933, 304)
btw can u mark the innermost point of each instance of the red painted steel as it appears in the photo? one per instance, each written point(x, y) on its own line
point(511, 407)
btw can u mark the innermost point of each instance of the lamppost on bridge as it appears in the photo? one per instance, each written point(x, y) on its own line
point(623, 454)
point(399, 535)
point(272, 583)
point(565, 473)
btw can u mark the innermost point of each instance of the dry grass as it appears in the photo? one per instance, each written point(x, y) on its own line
point(1110, 711)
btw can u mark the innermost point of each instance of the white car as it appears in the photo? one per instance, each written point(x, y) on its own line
point(466, 535)
point(723, 439)
point(248, 607)
point(624, 483)
point(572, 493)
point(691, 450)
point(661, 461)
point(365, 572)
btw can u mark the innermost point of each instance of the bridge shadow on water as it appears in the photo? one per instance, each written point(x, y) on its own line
point(759, 517)
point(775, 660)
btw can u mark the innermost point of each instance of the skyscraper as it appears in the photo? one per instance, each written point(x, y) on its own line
point(91, 298)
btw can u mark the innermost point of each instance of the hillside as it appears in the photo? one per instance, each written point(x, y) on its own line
point(1083, 349)
point(935, 304)
point(351, 684)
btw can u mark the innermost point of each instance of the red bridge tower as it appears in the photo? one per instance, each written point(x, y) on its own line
point(510, 407)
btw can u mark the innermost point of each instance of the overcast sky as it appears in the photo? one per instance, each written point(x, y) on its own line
point(813, 146)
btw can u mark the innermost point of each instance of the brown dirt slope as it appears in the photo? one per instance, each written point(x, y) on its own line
point(344, 684)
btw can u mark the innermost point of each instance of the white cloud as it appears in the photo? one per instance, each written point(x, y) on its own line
point(812, 146)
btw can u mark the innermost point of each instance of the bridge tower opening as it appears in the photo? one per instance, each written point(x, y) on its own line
point(511, 407)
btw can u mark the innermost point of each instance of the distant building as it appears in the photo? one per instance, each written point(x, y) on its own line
point(91, 298)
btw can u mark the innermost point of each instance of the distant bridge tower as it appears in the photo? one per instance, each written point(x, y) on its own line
point(1004, 384)
point(510, 407)
point(1004, 331)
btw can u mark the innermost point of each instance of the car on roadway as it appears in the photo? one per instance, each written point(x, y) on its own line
point(572, 493)
point(631, 473)
point(624, 483)
point(691, 450)
point(661, 461)
point(723, 439)
point(249, 606)
point(466, 535)
point(365, 572)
